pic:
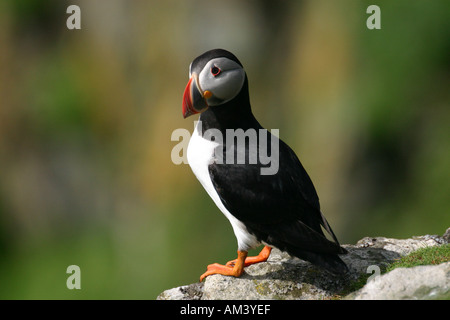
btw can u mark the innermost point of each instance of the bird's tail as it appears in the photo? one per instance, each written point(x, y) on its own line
point(327, 227)
point(328, 261)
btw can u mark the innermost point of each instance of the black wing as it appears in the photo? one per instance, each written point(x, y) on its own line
point(281, 209)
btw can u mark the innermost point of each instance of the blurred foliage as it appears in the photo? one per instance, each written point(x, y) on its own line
point(86, 118)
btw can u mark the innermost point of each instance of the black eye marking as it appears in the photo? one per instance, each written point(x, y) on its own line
point(215, 71)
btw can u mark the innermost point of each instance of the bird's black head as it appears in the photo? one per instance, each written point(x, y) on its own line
point(215, 78)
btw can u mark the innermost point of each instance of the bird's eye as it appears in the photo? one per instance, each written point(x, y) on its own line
point(215, 71)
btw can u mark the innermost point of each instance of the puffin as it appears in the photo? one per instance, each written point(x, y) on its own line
point(277, 208)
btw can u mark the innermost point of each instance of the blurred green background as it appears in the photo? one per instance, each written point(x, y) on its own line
point(86, 118)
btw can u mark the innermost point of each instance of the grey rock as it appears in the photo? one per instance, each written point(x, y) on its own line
point(190, 292)
point(287, 278)
point(421, 282)
point(281, 277)
point(446, 236)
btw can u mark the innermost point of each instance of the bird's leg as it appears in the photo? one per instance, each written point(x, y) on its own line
point(236, 270)
point(261, 257)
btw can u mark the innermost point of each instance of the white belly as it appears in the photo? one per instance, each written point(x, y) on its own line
point(200, 155)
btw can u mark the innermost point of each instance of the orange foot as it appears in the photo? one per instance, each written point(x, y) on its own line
point(261, 257)
point(236, 270)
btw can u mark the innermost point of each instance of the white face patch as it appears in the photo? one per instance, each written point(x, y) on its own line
point(224, 78)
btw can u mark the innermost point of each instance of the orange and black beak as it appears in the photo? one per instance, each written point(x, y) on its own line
point(194, 99)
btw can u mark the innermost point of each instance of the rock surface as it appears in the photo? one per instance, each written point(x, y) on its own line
point(287, 278)
point(421, 282)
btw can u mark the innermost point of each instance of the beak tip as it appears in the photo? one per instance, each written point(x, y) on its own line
point(187, 100)
point(192, 96)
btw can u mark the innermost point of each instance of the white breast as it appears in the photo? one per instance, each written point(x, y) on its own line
point(200, 155)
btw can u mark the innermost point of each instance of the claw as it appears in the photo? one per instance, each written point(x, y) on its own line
point(236, 270)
